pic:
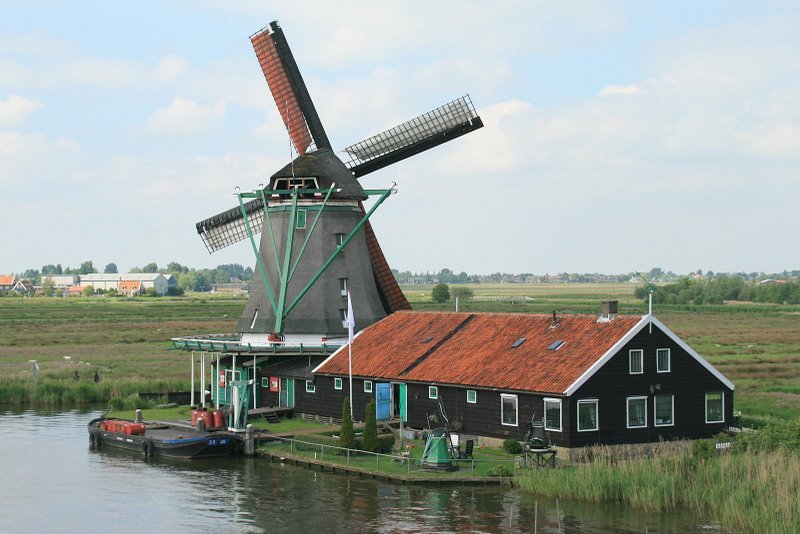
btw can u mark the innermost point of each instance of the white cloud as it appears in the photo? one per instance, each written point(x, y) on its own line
point(620, 90)
point(171, 68)
point(14, 110)
point(185, 117)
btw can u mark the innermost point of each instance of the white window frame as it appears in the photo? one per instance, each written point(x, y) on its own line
point(474, 396)
point(337, 383)
point(504, 396)
point(596, 415)
point(343, 317)
point(433, 392)
point(265, 382)
point(367, 386)
point(671, 413)
point(343, 286)
point(721, 411)
point(628, 408)
point(669, 361)
point(548, 400)
point(640, 352)
point(311, 387)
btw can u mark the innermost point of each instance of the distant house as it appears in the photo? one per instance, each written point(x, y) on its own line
point(24, 287)
point(234, 287)
point(7, 283)
point(130, 288)
point(62, 281)
point(75, 291)
point(588, 380)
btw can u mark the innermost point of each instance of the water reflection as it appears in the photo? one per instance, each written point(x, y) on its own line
point(60, 485)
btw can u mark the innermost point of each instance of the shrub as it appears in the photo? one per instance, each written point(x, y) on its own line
point(500, 470)
point(385, 444)
point(347, 438)
point(512, 446)
point(440, 293)
point(370, 428)
point(702, 449)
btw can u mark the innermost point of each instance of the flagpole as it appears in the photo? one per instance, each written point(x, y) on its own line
point(350, 324)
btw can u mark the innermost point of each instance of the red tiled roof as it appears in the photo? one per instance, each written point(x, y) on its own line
point(129, 284)
point(475, 349)
point(6, 280)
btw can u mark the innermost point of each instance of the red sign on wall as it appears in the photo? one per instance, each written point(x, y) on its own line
point(274, 383)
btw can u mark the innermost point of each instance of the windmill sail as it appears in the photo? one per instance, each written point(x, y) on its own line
point(431, 129)
point(288, 89)
point(226, 228)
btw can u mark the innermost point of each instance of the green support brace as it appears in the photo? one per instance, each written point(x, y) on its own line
point(255, 251)
point(280, 314)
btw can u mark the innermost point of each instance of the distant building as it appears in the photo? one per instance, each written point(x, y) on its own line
point(162, 283)
point(75, 291)
point(62, 281)
point(7, 283)
point(234, 287)
point(130, 288)
point(24, 287)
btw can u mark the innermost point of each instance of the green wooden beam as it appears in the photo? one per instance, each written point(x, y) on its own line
point(255, 251)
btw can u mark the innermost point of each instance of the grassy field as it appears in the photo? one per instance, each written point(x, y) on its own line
point(127, 341)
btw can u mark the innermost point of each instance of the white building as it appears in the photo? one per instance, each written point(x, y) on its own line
point(105, 281)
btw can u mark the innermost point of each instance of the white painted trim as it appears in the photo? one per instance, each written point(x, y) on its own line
point(646, 319)
point(435, 396)
point(628, 415)
point(672, 410)
point(596, 403)
point(669, 361)
point(370, 386)
point(329, 358)
point(706, 408)
point(640, 352)
point(313, 386)
point(516, 409)
point(560, 414)
point(475, 393)
point(341, 383)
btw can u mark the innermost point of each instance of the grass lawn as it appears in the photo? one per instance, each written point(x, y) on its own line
point(485, 459)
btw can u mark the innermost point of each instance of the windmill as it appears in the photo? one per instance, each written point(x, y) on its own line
point(313, 208)
point(650, 285)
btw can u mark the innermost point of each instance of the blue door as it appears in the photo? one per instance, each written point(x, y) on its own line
point(383, 401)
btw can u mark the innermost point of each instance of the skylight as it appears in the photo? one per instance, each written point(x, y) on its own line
point(555, 345)
point(427, 340)
point(518, 342)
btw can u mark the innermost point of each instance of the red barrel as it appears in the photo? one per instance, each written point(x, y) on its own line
point(134, 429)
point(194, 417)
point(219, 420)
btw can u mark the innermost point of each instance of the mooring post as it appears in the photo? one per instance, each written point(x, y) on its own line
point(249, 441)
point(139, 418)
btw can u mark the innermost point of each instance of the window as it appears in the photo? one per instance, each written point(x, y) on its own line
point(367, 386)
point(265, 382)
point(587, 415)
point(637, 412)
point(662, 360)
point(310, 387)
point(337, 383)
point(715, 407)
point(433, 392)
point(552, 414)
point(301, 220)
point(472, 396)
point(339, 239)
point(663, 407)
point(508, 409)
point(636, 357)
point(343, 317)
point(343, 286)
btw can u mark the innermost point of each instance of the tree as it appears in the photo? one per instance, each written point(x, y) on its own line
point(88, 291)
point(370, 429)
point(49, 269)
point(151, 267)
point(176, 268)
point(111, 268)
point(87, 267)
point(347, 438)
point(48, 287)
point(463, 293)
point(440, 293)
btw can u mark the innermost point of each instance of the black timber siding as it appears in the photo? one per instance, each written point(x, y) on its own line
point(687, 380)
point(327, 401)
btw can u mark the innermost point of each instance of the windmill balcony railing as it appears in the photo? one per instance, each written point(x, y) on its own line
point(217, 344)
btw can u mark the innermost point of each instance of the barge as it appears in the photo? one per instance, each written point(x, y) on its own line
point(161, 439)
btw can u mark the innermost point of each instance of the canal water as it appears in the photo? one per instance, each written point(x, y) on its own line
point(51, 481)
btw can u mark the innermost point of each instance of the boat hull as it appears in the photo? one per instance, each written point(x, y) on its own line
point(170, 443)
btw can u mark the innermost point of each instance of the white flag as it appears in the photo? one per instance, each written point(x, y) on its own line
point(351, 320)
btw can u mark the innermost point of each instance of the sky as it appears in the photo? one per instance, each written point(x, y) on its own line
point(618, 136)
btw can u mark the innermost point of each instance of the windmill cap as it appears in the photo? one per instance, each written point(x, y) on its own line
point(327, 168)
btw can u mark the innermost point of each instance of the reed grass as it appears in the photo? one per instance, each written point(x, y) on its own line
point(752, 491)
point(60, 392)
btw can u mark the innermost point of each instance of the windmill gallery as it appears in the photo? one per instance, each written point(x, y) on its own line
point(581, 379)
